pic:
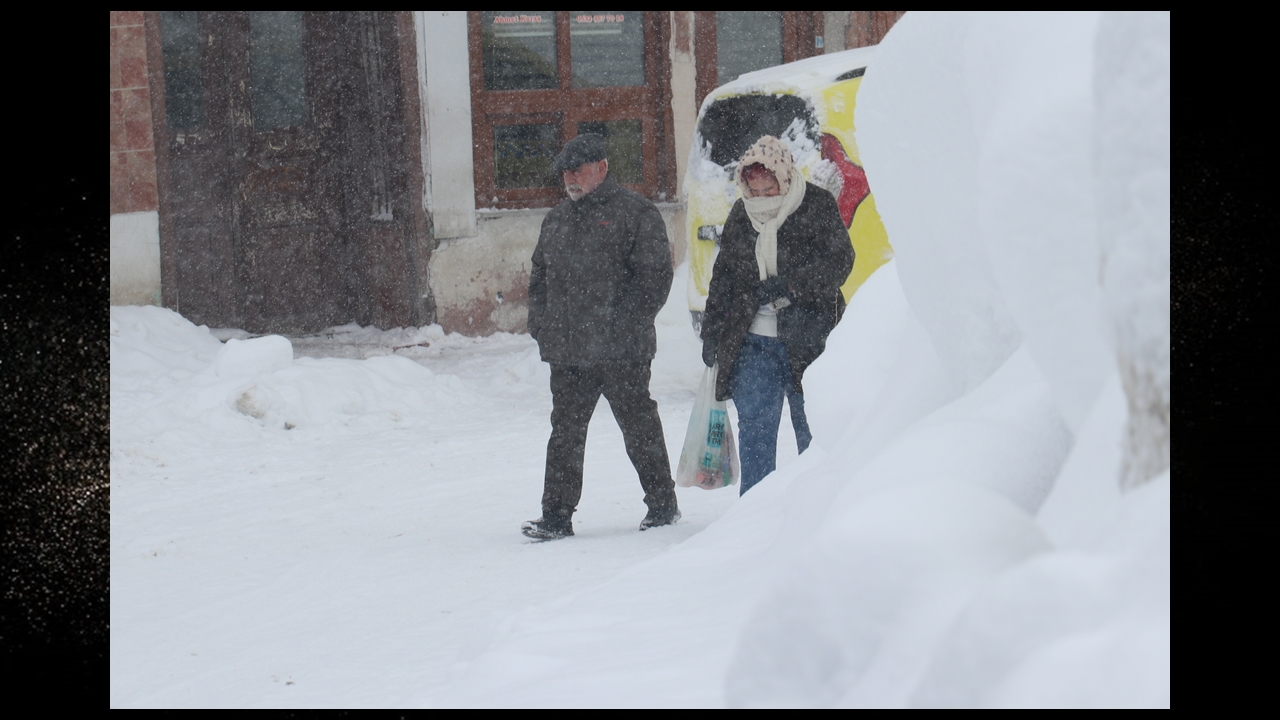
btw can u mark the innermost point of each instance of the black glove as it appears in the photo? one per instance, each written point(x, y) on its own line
point(709, 352)
point(771, 289)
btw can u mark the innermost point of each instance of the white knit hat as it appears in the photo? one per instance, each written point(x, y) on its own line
point(772, 153)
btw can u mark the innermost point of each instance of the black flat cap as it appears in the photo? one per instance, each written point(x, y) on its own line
point(586, 148)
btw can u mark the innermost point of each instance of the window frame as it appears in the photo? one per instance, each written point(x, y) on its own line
point(567, 106)
point(799, 28)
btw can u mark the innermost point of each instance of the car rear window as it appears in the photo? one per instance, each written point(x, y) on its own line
point(732, 124)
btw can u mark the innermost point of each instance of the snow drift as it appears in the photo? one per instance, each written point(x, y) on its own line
point(1017, 158)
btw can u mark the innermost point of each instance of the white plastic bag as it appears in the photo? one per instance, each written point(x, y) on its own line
point(709, 458)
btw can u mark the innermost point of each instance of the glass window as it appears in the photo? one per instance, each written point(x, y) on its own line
point(746, 41)
point(519, 49)
point(522, 155)
point(278, 69)
point(731, 125)
point(539, 77)
point(606, 47)
point(183, 89)
point(626, 162)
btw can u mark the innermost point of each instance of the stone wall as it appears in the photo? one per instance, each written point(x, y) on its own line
point(481, 284)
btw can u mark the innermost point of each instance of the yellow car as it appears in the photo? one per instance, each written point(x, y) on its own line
point(809, 104)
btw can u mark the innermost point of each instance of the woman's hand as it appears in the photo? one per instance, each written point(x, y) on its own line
point(770, 289)
point(709, 352)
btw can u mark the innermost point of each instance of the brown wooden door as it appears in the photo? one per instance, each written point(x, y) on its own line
point(190, 93)
point(288, 202)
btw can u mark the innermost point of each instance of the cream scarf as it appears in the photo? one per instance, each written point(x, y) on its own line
point(767, 214)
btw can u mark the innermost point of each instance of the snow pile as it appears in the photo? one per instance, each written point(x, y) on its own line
point(1131, 152)
point(168, 373)
point(979, 134)
point(255, 382)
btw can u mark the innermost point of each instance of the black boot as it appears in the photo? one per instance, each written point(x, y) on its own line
point(548, 529)
point(659, 517)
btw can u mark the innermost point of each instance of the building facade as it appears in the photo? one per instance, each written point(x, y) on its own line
point(291, 171)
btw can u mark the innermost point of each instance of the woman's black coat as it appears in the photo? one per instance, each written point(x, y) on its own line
point(814, 258)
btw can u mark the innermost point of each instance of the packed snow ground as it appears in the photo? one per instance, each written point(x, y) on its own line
point(333, 521)
point(360, 553)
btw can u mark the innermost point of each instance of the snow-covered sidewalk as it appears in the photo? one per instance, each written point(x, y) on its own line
point(351, 558)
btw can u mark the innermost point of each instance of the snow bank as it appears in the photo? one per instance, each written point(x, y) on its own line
point(1073, 628)
point(979, 133)
point(252, 384)
point(1131, 145)
point(854, 620)
point(187, 377)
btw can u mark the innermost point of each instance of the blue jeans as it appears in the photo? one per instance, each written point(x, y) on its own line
point(761, 379)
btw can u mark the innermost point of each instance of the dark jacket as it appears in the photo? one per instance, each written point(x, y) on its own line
point(600, 274)
point(814, 257)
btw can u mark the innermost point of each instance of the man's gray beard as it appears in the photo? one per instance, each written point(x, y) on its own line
point(571, 189)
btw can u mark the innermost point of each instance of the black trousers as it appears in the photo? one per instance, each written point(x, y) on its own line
point(575, 389)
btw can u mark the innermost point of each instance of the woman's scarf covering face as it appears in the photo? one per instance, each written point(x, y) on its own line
point(768, 213)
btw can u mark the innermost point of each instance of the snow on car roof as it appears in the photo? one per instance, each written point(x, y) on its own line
point(801, 75)
point(803, 78)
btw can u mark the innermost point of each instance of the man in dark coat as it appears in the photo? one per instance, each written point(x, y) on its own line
point(600, 273)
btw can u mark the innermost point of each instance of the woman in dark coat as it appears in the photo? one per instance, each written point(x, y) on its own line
point(774, 298)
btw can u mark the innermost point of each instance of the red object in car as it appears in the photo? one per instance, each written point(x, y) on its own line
point(855, 179)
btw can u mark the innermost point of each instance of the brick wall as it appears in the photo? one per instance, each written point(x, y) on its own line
point(133, 157)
